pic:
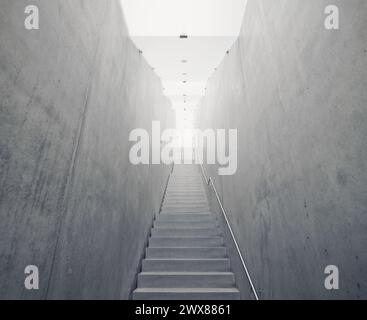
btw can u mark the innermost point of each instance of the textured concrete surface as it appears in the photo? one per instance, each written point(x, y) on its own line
point(297, 94)
point(70, 202)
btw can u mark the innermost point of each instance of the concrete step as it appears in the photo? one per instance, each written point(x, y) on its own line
point(187, 217)
point(186, 175)
point(179, 201)
point(185, 194)
point(186, 265)
point(189, 178)
point(185, 232)
point(187, 183)
point(185, 204)
point(186, 280)
point(201, 193)
point(190, 294)
point(171, 210)
point(186, 253)
point(186, 198)
point(184, 210)
point(208, 213)
point(186, 224)
point(188, 187)
point(186, 190)
point(185, 242)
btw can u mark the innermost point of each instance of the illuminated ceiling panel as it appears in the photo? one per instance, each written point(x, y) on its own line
point(184, 64)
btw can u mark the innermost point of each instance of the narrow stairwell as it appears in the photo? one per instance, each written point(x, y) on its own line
point(186, 258)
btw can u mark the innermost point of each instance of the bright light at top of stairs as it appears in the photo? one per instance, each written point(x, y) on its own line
point(192, 17)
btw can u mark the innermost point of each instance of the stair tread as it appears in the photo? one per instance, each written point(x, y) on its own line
point(187, 248)
point(188, 290)
point(199, 237)
point(186, 228)
point(185, 273)
point(183, 259)
point(193, 214)
point(186, 224)
point(190, 237)
point(187, 217)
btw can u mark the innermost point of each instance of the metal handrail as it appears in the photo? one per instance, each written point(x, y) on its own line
point(211, 182)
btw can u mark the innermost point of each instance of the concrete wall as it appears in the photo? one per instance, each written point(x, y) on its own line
point(70, 202)
point(297, 94)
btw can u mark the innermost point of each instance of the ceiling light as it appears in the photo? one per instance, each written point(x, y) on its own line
point(183, 36)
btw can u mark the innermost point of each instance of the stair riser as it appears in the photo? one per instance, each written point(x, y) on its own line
point(181, 194)
point(185, 195)
point(194, 189)
point(186, 202)
point(186, 265)
point(200, 191)
point(187, 217)
point(186, 191)
point(186, 205)
point(186, 199)
point(175, 232)
point(182, 189)
point(188, 183)
point(182, 198)
point(183, 224)
point(186, 253)
point(215, 296)
point(188, 180)
point(186, 242)
point(183, 211)
point(186, 281)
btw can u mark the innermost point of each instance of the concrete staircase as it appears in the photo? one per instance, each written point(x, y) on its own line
point(186, 258)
